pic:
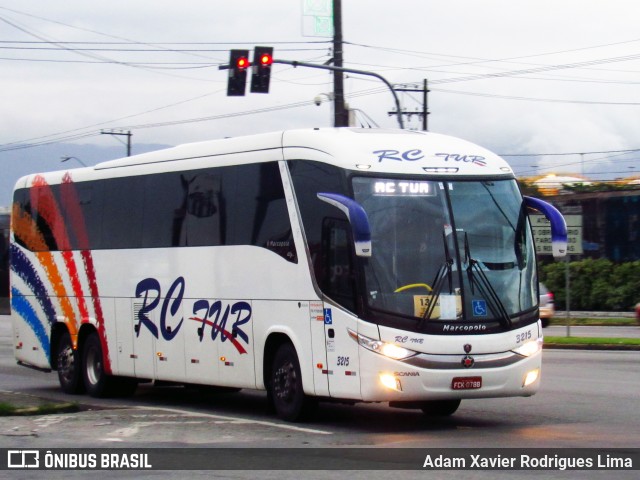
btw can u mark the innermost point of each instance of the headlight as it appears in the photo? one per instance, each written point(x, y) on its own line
point(387, 349)
point(529, 348)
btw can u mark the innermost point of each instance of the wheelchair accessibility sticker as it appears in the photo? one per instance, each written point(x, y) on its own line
point(479, 308)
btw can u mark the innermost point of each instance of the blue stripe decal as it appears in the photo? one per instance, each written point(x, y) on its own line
point(22, 307)
point(21, 265)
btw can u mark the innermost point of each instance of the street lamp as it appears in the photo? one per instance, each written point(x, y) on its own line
point(66, 159)
point(323, 97)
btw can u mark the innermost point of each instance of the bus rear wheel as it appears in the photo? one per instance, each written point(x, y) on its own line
point(285, 386)
point(97, 382)
point(440, 408)
point(68, 366)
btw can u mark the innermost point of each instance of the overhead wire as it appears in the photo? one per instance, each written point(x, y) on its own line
point(171, 48)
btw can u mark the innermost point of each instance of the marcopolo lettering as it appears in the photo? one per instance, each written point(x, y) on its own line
point(463, 328)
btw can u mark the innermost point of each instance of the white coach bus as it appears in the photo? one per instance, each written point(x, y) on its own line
point(358, 265)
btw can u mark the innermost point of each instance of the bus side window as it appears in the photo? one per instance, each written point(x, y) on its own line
point(122, 213)
point(259, 212)
point(337, 262)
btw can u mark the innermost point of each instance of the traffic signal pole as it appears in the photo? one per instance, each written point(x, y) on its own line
point(341, 70)
point(239, 63)
point(340, 113)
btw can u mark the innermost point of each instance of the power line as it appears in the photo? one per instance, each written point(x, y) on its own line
point(127, 41)
point(534, 99)
point(97, 58)
point(479, 60)
point(20, 146)
point(135, 42)
point(567, 153)
point(110, 47)
point(581, 162)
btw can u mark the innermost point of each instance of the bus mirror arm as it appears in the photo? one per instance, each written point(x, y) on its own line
point(358, 220)
point(558, 224)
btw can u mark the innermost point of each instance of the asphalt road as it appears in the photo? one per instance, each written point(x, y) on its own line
point(588, 399)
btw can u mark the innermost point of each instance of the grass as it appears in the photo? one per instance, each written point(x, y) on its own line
point(592, 341)
point(8, 409)
point(595, 322)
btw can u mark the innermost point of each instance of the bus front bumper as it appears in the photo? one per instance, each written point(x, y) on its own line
point(438, 377)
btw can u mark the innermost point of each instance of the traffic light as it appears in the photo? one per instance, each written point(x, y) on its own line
point(261, 74)
point(238, 64)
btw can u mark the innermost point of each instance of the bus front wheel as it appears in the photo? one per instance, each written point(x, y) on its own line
point(440, 408)
point(285, 386)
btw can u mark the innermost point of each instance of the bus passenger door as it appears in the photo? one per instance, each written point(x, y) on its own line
point(339, 286)
point(342, 353)
point(319, 348)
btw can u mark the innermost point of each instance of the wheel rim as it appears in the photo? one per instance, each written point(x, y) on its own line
point(94, 366)
point(284, 382)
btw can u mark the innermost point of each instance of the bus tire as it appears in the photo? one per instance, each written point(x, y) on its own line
point(68, 364)
point(440, 408)
point(285, 386)
point(96, 381)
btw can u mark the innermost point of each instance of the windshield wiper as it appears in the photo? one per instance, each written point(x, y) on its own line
point(438, 282)
point(484, 286)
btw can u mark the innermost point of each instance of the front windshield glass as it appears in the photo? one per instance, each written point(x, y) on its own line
point(447, 251)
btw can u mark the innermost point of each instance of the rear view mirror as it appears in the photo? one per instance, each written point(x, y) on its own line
point(360, 229)
point(558, 225)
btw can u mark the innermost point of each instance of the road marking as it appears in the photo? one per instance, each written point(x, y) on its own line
point(49, 420)
point(240, 420)
point(134, 429)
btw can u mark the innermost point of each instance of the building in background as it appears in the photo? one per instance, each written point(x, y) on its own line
point(610, 212)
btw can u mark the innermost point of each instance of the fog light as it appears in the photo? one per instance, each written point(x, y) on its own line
point(390, 382)
point(531, 377)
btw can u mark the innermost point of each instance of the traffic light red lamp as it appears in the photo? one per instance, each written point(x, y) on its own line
point(261, 72)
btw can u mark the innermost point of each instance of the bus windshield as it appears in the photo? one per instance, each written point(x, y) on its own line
point(454, 251)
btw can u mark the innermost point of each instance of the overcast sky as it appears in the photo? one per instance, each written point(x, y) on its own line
point(516, 76)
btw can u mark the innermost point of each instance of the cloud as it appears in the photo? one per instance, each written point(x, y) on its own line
point(156, 81)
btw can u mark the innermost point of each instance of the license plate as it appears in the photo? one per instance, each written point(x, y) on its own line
point(466, 383)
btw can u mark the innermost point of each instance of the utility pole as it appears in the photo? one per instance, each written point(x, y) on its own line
point(425, 105)
point(127, 134)
point(333, 68)
point(341, 115)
